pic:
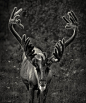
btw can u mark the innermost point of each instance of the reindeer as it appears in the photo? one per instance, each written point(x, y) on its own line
point(35, 67)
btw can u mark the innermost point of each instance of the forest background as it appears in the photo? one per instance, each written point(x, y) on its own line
point(44, 25)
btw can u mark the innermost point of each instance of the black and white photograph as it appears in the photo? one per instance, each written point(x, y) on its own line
point(42, 51)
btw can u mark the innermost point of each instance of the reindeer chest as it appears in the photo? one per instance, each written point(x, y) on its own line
point(27, 72)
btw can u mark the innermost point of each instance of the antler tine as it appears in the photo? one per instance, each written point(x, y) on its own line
point(18, 12)
point(74, 16)
point(67, 21)
point(71, 18)
point(13, 12)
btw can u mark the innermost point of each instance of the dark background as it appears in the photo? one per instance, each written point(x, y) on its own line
point(44, 25)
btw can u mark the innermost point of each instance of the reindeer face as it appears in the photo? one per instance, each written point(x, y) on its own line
point(42, 71)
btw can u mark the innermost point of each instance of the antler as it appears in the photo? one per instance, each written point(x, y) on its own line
point(61, 45)
point(28, 48)
point(14, 20)
point(71, 24)
point(25, 43)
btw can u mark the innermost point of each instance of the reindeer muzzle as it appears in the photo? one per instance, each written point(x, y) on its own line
point(42, 85)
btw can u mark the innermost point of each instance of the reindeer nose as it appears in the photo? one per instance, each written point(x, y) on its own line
point(42, 83)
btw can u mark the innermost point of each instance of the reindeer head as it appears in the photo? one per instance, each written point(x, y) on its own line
point(42, 70)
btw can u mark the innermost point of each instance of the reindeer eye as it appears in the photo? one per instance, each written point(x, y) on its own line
point(37, 68)
point(36, 65)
